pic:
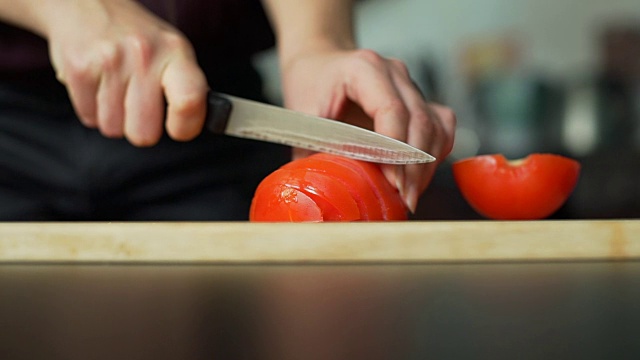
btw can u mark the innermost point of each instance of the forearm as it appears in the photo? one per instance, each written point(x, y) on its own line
point(311, 25)
point(45, 17)
point(25, 14)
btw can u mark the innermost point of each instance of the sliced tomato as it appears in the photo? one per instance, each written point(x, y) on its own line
point(334, 188)
point(333, 198)
point(531, 188)
point(280, 203)
point(327, 194)
point(359, 188)
point(393, 207)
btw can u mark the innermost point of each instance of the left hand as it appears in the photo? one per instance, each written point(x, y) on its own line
point(365, 89)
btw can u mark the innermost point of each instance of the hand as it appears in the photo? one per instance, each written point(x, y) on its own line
point(123, 67)
point(365, 89)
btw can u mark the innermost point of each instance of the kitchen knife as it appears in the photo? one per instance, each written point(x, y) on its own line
point(249, 119)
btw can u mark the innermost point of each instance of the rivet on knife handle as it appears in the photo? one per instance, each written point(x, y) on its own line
point(218, 112)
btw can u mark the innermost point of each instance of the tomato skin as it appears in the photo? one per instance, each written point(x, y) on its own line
point(528, 189)
point(393, 208)
point(326, 187)
point(274, 200)
point(357, 185)
point(285, 203)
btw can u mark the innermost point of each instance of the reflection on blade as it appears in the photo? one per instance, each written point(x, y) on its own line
point(270, 123)
point(366, 152)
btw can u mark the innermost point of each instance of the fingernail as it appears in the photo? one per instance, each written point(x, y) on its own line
point(409, 195)
point(399, 176)
point(410, 198)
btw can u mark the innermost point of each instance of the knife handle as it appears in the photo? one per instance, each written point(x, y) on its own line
point(218, 112)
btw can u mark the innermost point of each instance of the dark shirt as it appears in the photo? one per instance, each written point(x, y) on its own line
point(222, 31)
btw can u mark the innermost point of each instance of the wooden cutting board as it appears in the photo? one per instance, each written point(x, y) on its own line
point(241, 242)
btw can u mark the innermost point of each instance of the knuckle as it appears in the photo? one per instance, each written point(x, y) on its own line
point(174, 40)
point(111, 132)
point(182, 132)
point(87, 65)
point(422, 118)
point(139, 140)
point(447, 116)
point(451, 116)
point(400, 66)
point(396, 107)
point(87, 119)
point(80, 69)
point(141, 48)
point(186, 104)
point(142, 134)
point(109, 56)
point(369, 56)
point(426, 124)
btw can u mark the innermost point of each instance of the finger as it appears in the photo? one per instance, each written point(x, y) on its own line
point(144, 111)
point(411, 99)
point(424, 131)
point(185, 88)
point(82, 86)
point(424, 127)
point(111, 99)
point(437, 138)
point(449, 121)
point(371, 87)
point(431, 126)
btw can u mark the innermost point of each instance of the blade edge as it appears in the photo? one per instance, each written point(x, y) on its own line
point(248, 119)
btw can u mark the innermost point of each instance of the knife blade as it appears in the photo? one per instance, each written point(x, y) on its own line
point(234, 116)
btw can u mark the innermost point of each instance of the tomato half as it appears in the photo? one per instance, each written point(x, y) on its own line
point(531, 188)
point(326, 187)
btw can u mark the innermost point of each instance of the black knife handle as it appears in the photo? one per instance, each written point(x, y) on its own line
point(218, 112)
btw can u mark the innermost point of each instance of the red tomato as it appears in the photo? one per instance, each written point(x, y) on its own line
point(326, 187)
point(393, 207)
point(358, 187)
point(285, 203)
point(527, 189)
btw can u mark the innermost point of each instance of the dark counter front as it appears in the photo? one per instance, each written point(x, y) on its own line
point(505, 310)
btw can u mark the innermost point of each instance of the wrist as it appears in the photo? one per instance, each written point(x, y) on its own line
point(40, 17)
point(289, 52)
point(27, 14)
point(311, 27)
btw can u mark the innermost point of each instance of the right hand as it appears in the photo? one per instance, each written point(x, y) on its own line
point(363, 88)
point(123, 66)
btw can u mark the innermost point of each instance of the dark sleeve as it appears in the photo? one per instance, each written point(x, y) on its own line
point(21, 50)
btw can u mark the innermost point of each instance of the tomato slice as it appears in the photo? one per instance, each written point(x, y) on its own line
point(326, 187)
point(531, 188)
point(359, 188)
point(275, 201)
point(333, 198)
point(281, 202)
point(329, 195)
point(393, 207)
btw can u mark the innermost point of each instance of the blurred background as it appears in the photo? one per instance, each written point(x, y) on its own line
point(523, 76)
